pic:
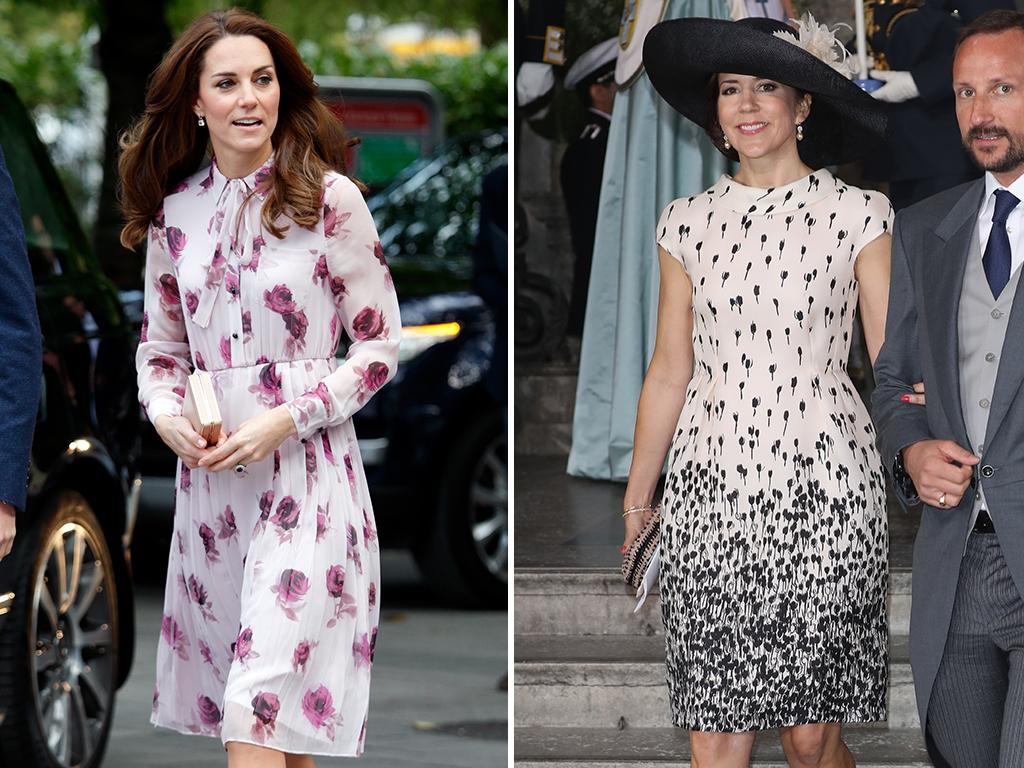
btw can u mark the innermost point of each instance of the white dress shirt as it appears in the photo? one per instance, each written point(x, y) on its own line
point(1014, 222)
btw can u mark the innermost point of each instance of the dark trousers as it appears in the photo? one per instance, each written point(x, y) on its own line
point(976, 710)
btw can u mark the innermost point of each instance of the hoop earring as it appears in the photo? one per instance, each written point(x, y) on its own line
point(201, 121)
point(799, 131)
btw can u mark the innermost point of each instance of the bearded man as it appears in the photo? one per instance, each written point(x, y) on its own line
point(956, 323)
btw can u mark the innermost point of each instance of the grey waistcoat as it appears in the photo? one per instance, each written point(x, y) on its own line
point(982, 328)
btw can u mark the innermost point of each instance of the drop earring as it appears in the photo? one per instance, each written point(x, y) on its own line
point(201, 121)
point(726, 142)
point(799, 131)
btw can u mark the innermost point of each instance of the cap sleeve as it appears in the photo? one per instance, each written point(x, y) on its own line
point(874, 218)
point(665, 235)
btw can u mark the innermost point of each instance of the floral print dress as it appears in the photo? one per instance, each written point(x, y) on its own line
point(271, 606)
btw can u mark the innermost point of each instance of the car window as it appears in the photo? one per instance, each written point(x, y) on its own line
point(428, 218)
point(49, 239)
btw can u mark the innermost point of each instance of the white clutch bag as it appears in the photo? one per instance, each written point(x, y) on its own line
point(201, 407)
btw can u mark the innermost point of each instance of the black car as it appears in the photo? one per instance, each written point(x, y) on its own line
point(66, 604)
point(434, 440)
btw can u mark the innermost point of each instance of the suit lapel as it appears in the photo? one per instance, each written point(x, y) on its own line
point(944, 274)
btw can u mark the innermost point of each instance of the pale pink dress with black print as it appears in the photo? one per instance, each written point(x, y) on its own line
point(271, 606)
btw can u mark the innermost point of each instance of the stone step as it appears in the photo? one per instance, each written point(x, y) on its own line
point(551, 601)
point(619, 682)
point(872, 747)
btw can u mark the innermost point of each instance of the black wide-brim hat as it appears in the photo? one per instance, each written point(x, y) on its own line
point(682, 55)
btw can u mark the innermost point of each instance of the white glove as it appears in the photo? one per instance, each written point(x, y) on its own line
point(899, 86)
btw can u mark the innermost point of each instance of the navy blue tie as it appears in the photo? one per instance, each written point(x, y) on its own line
point(997, 252)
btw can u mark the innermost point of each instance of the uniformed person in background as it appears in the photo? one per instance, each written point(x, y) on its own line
point(912, 42)
point(593, 78)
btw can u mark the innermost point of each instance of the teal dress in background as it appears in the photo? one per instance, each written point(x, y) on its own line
point(654, 156)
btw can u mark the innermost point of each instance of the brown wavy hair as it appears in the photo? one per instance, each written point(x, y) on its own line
point(165, 145)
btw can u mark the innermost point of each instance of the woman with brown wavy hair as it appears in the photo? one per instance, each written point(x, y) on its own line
point(256, 263)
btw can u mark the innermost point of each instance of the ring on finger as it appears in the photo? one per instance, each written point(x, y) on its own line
point(942, 499)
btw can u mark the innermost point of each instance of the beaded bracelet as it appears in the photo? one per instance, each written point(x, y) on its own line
point(644, 508)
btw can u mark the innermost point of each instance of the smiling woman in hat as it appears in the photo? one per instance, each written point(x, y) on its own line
point(773, 539)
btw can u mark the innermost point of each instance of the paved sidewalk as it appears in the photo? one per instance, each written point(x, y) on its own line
point(432, 665)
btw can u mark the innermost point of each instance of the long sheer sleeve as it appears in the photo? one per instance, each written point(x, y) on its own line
point(367, 308)
point(163, 360)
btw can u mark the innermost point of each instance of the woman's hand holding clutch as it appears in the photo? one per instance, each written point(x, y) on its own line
point(254, 440)
point(177, 432)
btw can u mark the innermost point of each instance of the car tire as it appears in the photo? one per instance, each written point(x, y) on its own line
point(464, 558)
point(59, 682)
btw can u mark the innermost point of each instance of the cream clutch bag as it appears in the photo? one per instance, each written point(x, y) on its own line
point(201, 407)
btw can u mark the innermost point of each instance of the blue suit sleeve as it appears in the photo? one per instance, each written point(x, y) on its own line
point(20, 347)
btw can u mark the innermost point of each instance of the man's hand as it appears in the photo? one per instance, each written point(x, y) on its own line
point(899, 86)
point(941, 471)
point(7, 515)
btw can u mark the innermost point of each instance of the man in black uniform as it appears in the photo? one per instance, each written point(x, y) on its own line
point(593, 77)
point(913, 41)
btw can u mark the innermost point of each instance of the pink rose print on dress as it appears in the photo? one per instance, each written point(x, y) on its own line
point(161, 366)
point(207, 184)
point(225, 351)
point(232, 285)
point(286, 518)
point(351, 477)
point(266, 505)
point(207, 654)
point(371, 594)
point(197, 592)
point(144, 332)
point(257, 251)
point(291, 589)
point(369, 532)
point(174, 636)
point(226, 524)
point(176, 242)
point(323, 521)
point(217, 268)
point(156, 699)
point(191, 302)
point(344, 603)
point(268, 387)
point(265, 707)
point(209, 713)
point(378, 252)
point(362, 651)
point(279, 300)
point(334, 221)
point(332, 331)
point(243, 647)
point(296, 324)
point(353, 548)
point(310, 451)
point(170, 296)
point(300, 656)
point(186, 479)
point(200, 362)
point(209, 542)
point(368, 324)
point(328, 452)
point(318, 707)
point(263, 178)
point(338, 289)
point(372, 378)
point(320, 272)
point(246, 327)
point(277, 464)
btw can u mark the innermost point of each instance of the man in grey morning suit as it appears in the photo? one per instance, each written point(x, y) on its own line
point(956, 322)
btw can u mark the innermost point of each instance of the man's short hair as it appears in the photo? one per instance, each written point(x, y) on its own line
point(991, 23)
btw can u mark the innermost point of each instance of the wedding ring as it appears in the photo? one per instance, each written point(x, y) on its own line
point(240, 470)
point(942, 499)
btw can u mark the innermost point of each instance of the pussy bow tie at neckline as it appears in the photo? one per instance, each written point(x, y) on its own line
point(233, 228)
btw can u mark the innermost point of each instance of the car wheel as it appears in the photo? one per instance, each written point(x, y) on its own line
point(58, 647)
point(465, 556)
